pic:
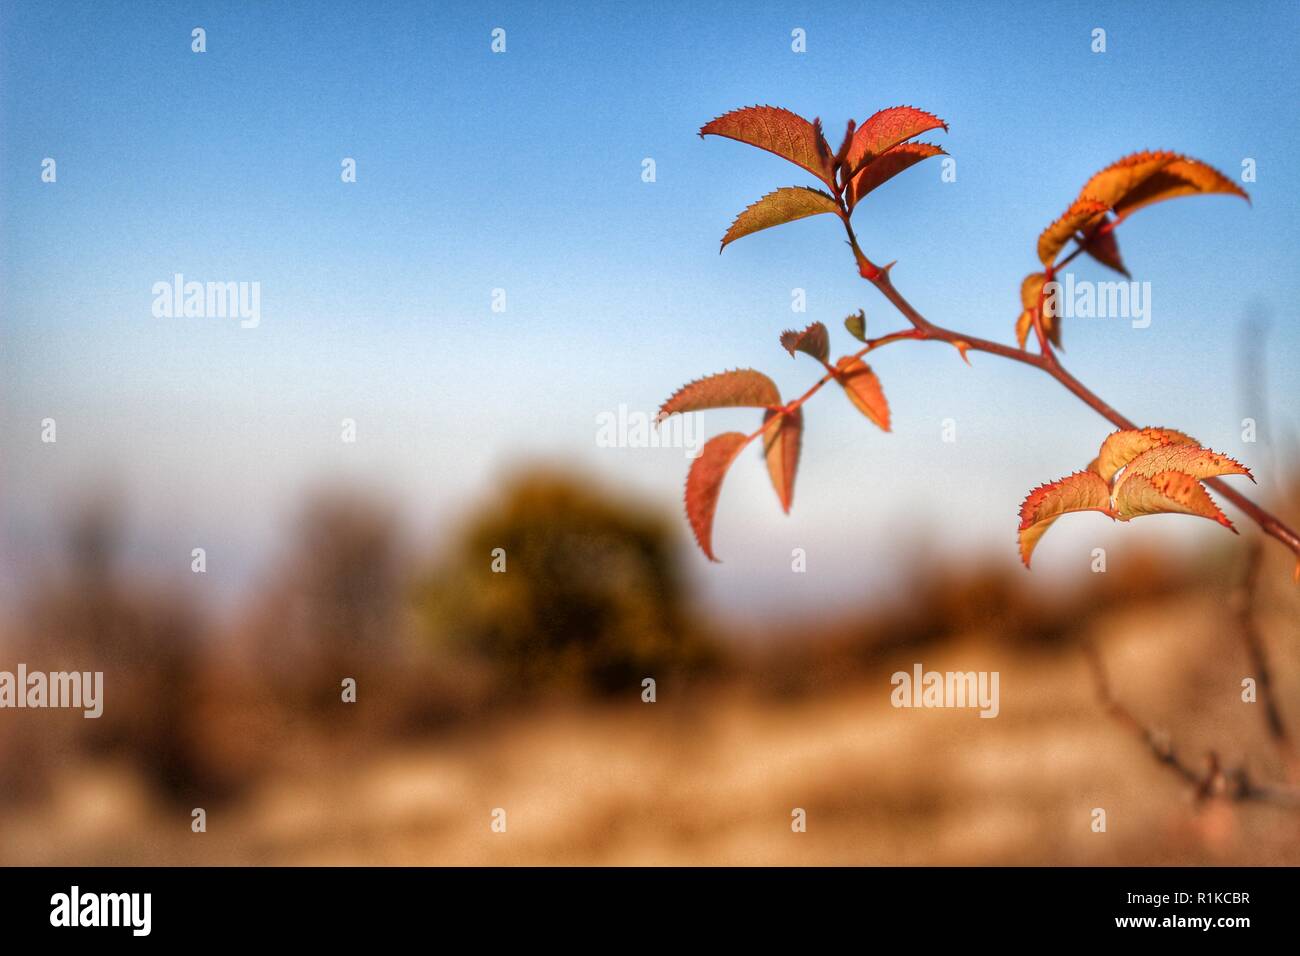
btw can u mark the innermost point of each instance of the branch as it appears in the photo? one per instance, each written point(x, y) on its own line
point(1248, 627)
point(1233, 784)
point(1047, 361)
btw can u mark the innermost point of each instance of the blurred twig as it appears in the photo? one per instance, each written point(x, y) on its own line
point(1214, 781)
point(1248, 627)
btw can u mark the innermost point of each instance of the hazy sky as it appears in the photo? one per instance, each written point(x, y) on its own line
point(522, 171)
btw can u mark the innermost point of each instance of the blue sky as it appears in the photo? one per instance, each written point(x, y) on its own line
point(522, 171)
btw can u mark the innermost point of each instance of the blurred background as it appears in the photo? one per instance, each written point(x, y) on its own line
point(478, 430)
point(523, 690)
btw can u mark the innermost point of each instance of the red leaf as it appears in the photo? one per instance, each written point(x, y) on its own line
point(887, 129)
point(1104, 247)
point(1082, 491)
point(778, 131)
point(781, 441)
point(704, 483)
point(886, 167)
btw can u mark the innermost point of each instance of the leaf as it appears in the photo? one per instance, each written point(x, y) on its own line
point(1031, 290)
point(743, 387)
point(1081, 491)
point(1117, 180)
point(1189, 459)
point(1121, 447)
point(886, 167)
point(1104, 247)
point(1181, 177)
point(778, 131)
point(857, 325)
point(1083, 214)
point(1031, 299)
point(784, 205)
point(1144, 470)
point(781, 441)
point(704, 483)
point(884, 130)
point(842, 153)
point(814, 341)
point(1144, 178)
point(863, 389)
point(1165, 492)
point(1023, 325)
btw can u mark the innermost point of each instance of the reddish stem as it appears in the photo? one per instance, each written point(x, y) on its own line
point(1046, 360)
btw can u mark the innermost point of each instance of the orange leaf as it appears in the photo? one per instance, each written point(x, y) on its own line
point(1124, 175)
point(814, 341)
point(863, 389)
point(778, 131)
point(1031, 290)
point(886, 167)
point(1083, 214)
point(1144, 178)
point(1165, 492)
point(884, 130)
point(704, 483)
point(1031, 300)
point(1104, 247)
point(782, 206)
point(1181, 176)
point(1023, 325)
point(1081, 491)
point(1123, 446)
point(1158, 472)
point(781, 441)
point(1189, 459)
point(743, 387)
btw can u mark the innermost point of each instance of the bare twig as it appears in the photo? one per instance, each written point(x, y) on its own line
point(1244, 601)
point(1234, 784)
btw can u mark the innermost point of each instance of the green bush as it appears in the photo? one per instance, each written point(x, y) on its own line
point(590, 596)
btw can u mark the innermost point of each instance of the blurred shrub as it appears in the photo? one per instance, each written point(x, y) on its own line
point(145, 639)
point(590, 597)
point(333, 606)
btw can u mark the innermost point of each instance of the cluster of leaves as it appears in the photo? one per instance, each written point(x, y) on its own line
point(782, 427)
point(1103, 204)
point(1140, 471)
point(869, 155)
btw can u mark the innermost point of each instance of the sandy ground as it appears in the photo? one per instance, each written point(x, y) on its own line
point(714, 779)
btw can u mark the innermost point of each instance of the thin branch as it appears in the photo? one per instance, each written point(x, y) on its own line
point(1233, 784)
point(1047, 361)
point(1244, 601)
